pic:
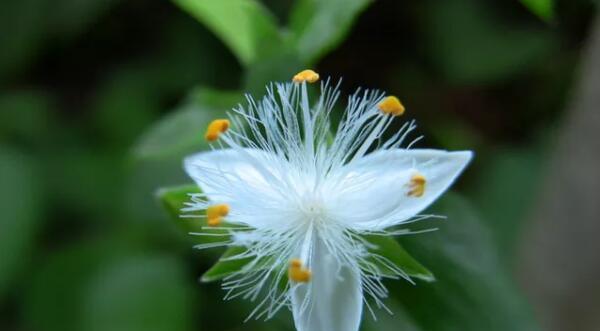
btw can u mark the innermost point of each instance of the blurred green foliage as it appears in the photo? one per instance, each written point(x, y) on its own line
point(543, 8)
point(100, 100)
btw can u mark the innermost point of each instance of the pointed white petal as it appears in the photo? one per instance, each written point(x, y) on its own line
point(243, 179)
point(373, 192)
point(211, 170)
point(332, 300)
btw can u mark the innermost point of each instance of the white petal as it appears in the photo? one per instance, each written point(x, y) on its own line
point(372, 193)
point(210, 170)
point(332, 300)
point(241, 178)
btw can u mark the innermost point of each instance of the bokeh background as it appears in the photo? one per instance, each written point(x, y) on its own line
point(101, 99)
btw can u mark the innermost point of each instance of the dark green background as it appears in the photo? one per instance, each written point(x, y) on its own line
point(101, 99)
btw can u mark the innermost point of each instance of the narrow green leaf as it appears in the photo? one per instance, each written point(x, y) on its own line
point(222, 268)
point(390, 249)
point(544, 9)
point(318, 26)
point(173, 199)
point(245, 26)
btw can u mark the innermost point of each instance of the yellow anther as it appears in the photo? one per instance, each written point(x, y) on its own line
point(214, 221)
point(215, 214)
point(306, 76)
point(215, 128)
point(391, 106)
point(297, 272)
point(417, 185)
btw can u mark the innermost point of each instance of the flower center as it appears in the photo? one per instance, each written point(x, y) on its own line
point(312, 208)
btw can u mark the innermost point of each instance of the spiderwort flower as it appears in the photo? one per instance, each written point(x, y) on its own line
point(298, 199)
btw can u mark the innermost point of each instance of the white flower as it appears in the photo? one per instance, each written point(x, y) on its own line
point(298, 199)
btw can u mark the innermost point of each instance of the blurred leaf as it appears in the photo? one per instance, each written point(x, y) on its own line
point(473, 291)
point(452, 133)
point(139, 294)
point(542, 8)
point(245, 26)
point(280, 67)
point(506, 190)
point(64, 274)
point(22, 24)
point(68, 18)
point(397, 320)
point(124, 105)
point(224, 268)
point(472, 46)
point(388, 248)
point(182, 131)
point(72, 167)
point(218, 99)
point(20, 203)
point(174, 198)
point(25, 114)
point(317, 27)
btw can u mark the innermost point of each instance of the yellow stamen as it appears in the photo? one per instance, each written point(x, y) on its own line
point(391, 106)
point(306, 76)
point(214, 221)
point(215, 213)
point(417, 185)
point(215, 128)
point(297, 272)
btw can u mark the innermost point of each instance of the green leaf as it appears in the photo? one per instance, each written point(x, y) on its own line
point(20, 203)
point(279, 67)
point(182, 131)
point(65, 273)
point(139, 294)
point(318, 26)
point(387, 247)
point(245, 26)
point(506, 191)
point(473, 291)
point(222, 268)
point(398, 320)
point(544, 9)
point(470, 46)
point(174, 198)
